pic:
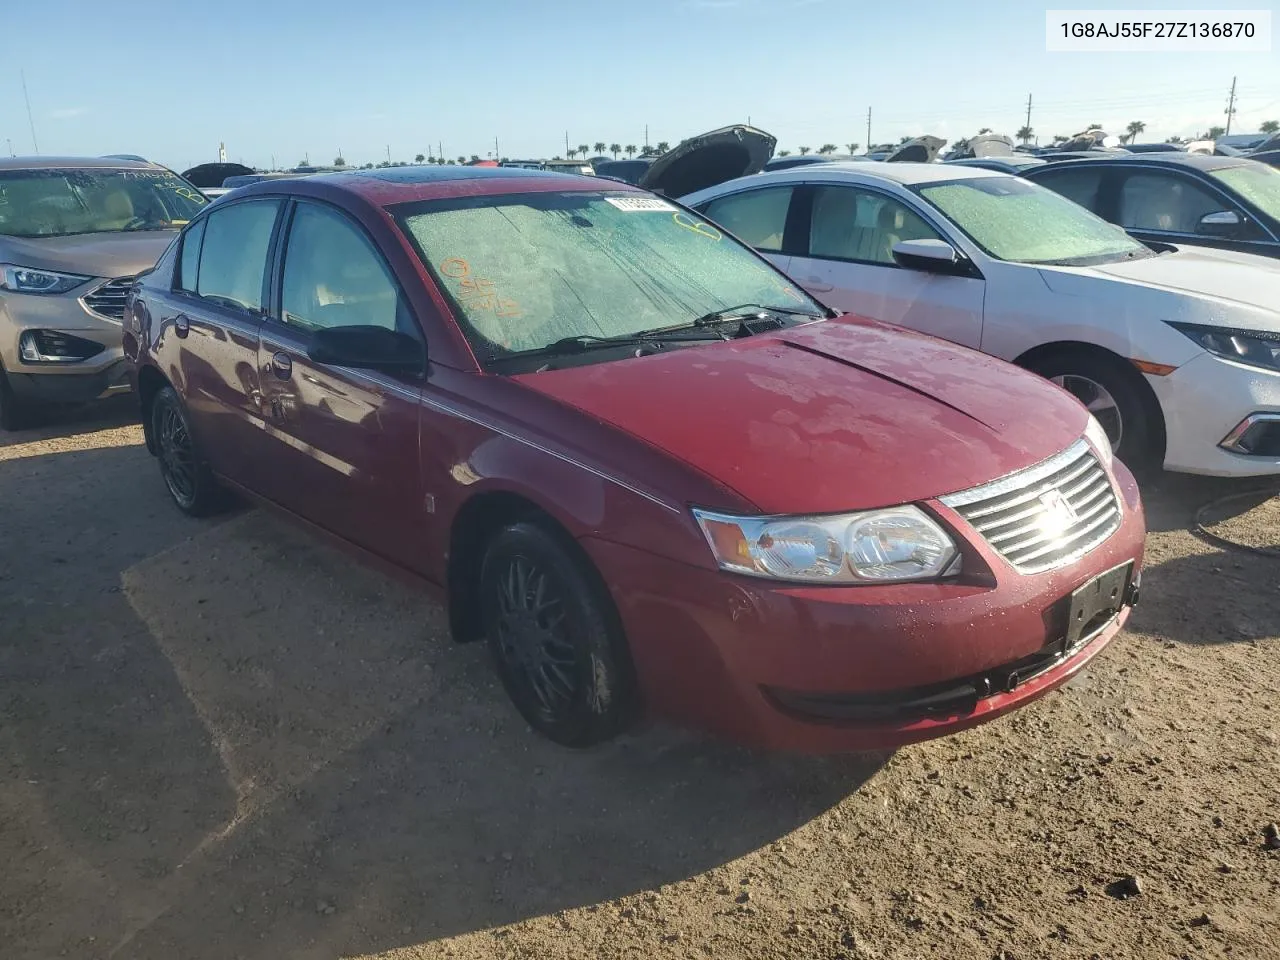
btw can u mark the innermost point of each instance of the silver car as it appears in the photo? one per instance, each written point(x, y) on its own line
point(74, 233)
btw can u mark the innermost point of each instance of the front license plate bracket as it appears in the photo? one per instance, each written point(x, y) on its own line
point(1095, 603)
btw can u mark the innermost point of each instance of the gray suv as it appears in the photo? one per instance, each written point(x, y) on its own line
point(74, 233)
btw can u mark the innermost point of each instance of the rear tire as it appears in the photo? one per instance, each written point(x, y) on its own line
point(555, 637)
point(1115, 394)
point(187, 477)
point(14, 413)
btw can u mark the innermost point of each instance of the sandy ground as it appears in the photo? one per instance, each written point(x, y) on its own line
point(222, 739)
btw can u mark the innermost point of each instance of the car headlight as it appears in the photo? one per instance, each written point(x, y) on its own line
point(1257, 348)
point(879, 546)
point(29, 280)
point(1096, 434)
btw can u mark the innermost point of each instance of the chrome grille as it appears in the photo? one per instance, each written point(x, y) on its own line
point(108, 299)
point(1045, 516)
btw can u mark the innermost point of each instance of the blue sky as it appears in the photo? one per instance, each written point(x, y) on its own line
point(286, 79)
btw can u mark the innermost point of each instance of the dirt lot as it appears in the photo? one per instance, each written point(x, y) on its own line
point(221, 739)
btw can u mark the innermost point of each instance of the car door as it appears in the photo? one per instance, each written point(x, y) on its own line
point(757, 217)
point(210, 340)
point(847, 261)
point(1171, 206)
point(346, 441)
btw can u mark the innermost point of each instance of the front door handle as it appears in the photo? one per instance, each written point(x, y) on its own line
point(816, 284)
point(281, 365)
point(181, 326)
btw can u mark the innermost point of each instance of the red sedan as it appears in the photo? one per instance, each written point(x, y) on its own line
point(633, 457)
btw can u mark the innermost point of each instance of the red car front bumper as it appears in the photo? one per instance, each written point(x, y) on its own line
point(750, 658)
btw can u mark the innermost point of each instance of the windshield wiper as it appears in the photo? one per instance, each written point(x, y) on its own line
point(584, 342)
point(746, 311)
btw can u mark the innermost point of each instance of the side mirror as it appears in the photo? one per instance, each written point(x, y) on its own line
point(367, 347)
point(931, 256)
point(1223, 223)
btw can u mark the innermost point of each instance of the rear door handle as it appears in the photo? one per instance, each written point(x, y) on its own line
point(181, 326)
point(281, 365)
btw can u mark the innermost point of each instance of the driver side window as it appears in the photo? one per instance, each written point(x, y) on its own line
point(333, 277)
point(859, 225)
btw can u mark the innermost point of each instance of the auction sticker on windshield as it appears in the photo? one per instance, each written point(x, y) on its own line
point(640, 204)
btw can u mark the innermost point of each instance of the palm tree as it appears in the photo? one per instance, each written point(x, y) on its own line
point(1269, 126)
point(1214, 133)
point(984, 130)
point(1060, 138)
point(827, 148)
point(784, 153)
point(1135, 127)
point(615, 149)
point(1025, 134)
point(853, 147)
point(600, 147)
point(803, 151)
point(663, 146)
point(630, 149)
point(338, 161)
point(583, 150)
point(462, 159)
point(418, 158)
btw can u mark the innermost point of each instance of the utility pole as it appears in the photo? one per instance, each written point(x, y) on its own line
point(566, 144)
point(1231, 104)
point(495, 148)
point(1028, 112)
point(31, 122)
point(388, 153)
point(273, 161)
point(646, 136)
point(10, 143)
point(440, 152)
point(868, 129)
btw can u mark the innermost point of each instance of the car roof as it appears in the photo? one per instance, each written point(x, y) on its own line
point(393, 185)
point(1197, 161)
point(62, 163)
point(903, 173)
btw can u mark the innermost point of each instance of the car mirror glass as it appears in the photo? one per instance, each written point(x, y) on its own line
point(367, 347)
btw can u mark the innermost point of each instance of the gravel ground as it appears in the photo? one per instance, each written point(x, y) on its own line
point(223, 739)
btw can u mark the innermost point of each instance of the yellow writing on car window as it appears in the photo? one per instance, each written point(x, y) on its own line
point(701, 229)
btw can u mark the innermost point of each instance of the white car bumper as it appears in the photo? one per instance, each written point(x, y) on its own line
point(1204, 400)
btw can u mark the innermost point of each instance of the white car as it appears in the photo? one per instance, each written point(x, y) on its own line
point(1175, 351)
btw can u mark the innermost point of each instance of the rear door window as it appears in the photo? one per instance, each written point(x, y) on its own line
point(758, 217)
point(233, 257)
point(1079, 186)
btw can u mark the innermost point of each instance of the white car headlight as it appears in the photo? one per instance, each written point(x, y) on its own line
point(1097, 437)
point(29, 280)
point(879, 546)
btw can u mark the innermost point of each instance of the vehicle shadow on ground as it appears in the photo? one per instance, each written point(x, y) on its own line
point(1186, 587)
point(227, 739)
point(388, 794)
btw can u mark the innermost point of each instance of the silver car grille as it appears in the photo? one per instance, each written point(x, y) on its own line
point(107, 300)
point(1045, 516)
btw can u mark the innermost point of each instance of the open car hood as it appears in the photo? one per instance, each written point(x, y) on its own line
point(709, 159)
point(920, 150)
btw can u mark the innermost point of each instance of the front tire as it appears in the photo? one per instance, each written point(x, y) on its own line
point(555, 637)
point(1115, 394)
point(186, 475)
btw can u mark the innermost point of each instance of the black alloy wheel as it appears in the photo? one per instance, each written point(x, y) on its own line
point(555, 636)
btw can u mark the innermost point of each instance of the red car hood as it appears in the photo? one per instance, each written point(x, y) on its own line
point(829, 416)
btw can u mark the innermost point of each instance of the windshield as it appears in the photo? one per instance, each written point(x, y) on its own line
point(1012, 219)
point(61, 202)
point(1258, 184)
point(527, 270)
